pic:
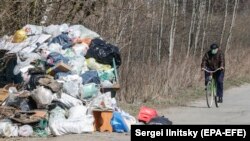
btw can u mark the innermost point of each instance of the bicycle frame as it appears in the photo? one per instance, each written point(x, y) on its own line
point(211, 78)
point(211, 89)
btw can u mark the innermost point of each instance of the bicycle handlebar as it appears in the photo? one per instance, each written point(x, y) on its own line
point(211, 71)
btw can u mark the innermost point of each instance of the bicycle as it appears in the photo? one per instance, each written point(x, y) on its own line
point(211, 89)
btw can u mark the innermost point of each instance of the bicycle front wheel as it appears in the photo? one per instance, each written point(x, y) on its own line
point(209, 94)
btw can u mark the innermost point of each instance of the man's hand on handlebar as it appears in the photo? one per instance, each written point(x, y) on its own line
point(203, 69)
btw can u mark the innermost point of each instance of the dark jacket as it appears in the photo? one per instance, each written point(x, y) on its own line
point(213, 61)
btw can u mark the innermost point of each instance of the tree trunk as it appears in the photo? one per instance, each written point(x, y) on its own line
point(201, 13)
point(152, 31)
point(191, 30)
point(131, 37)
point(205, 29)
point(232, 25)
point(224, 23)
point(161, 31)
point(184, 7)
point(172, 38)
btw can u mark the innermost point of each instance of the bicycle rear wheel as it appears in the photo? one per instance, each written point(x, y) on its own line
point(216, 98)
point(209, 94)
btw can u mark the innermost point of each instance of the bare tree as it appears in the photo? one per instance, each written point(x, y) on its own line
point(191, 30)
point(161, 30)
point(174, 6)
point(232, 24)
point(224, 23)
point(152, 30)
point(123, 18)
point(201, 13)
point(205, 28)
point(184, 7)
point(131, 35)
point(172, 34)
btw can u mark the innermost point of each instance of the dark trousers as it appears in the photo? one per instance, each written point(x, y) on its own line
point(219, 77)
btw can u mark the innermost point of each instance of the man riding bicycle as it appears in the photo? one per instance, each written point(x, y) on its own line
point(213, 60)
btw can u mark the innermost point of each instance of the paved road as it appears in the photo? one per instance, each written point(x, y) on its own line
point(77, 137)
point(234, 110)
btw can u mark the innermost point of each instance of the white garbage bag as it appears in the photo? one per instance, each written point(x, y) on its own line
point(25, 131)
point(64, 28)
point(84, 32)
point(71, 88)
point(72, 126)
point(55, 47)
point(102, 101)
point(57, 114)
point(80, 49)
point(42, 96)
point(71, 85)
point(75, 124)
point(52, 30)
point(28, 57)
point(77, 112)
point(68, 100)
point(78, 65)
point(7, 129)
point(56, 30)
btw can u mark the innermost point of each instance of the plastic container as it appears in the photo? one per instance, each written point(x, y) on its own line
point(146, 114)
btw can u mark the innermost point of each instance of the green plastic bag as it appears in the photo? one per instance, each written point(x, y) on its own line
point(89, 90)
point(106, 75)
point(40, 129)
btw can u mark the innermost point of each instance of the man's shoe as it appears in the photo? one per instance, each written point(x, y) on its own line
point(220, 100)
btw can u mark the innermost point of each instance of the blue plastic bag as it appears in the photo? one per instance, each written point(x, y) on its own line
point(62, 39)
point(118, 123)
point(54, 58)
point(90, 77)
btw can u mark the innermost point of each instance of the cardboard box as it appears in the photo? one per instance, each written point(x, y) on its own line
point(59, 67)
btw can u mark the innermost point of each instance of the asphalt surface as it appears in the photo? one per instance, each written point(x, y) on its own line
point(235, 109)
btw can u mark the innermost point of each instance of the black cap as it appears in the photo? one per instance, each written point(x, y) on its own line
point(214, 46)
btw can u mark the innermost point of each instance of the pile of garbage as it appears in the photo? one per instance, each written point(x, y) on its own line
point(53, 78)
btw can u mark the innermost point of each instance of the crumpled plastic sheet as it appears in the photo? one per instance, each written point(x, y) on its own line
point(78, 122)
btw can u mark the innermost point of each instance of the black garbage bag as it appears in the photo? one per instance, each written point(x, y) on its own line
point(160, 120)
point(104, 52)
point(24, 104)
point(7, 65)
